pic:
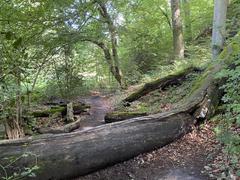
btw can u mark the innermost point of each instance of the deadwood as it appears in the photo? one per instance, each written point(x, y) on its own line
point(160, 83)
point(63, 129)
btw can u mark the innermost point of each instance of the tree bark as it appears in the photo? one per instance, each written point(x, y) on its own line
point(114, 44)
point(70, 116)
point(178, 41)
point(219, 27)
point(14, 126)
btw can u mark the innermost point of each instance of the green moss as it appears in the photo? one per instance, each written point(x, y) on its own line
point(200, 80)
point(49, 112)
point(56, 110)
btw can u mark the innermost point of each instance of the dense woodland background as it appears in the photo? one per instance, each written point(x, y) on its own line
point(62, 50)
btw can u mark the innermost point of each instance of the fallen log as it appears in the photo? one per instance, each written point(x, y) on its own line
point(77, 109)
point(120, 116)
point(162, 83)
point(69, 155)
point(63, 129)
point(47, 112)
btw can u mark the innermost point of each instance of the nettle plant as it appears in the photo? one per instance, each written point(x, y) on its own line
point(20, 172)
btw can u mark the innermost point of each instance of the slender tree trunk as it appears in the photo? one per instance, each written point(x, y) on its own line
point(178, 42)
point(113, 35)
point(165, 13)
point(219, 27)
point(187, 20)
point(116, 72)
point(70, 115)
point(14, 126)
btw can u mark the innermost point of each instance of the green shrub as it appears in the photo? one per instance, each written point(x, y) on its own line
point(227, 130)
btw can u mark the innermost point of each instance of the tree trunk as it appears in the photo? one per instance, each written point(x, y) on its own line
point(115, 70)
point(70, 116)
point(13, 129)
point(14, 126)
point(219, 27)
point(187, 20)
point(178, 41)
point(113, 36)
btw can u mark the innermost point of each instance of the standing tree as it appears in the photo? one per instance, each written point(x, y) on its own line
point(113, 36)
point(219, 26)
point(178, 42)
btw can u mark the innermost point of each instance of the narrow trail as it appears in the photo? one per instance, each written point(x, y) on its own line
point(100, 105)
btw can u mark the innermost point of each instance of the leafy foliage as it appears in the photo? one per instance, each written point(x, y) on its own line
point(22, 172)
point(228, 129)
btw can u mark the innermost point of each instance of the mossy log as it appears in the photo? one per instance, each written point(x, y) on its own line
point(48, 112)
point(120, 116)
point(162, 83)
point(77, 109)
point(80, 108)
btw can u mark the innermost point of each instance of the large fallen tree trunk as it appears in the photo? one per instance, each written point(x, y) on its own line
point(70, 155)
point(162, 83)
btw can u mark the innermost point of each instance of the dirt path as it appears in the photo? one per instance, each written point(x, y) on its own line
point(100, 105)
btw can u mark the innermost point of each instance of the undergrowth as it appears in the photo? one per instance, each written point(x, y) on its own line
point(228, 129)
